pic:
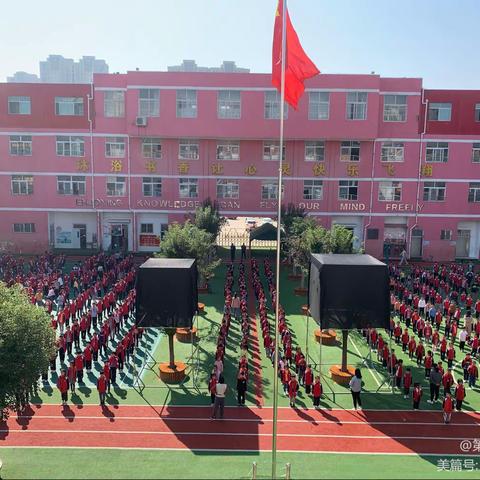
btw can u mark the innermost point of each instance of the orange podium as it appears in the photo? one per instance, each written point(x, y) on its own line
point(329, 337)
point(185, 335)
point(340, 377)
point(170, 375)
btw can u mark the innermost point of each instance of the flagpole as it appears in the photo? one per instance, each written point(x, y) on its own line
point(279, 227)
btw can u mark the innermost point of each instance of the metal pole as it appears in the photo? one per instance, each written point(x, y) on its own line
point(279, 225)
point(391, 367)
point(254, 471)
point(306, 342)
point(288, 469)
point(320, 356)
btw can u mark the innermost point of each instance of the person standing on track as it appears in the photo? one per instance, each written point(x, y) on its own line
point(447, 408)
point(62, 385)
point(220, 390)
point(102, 388)
point(356, 387)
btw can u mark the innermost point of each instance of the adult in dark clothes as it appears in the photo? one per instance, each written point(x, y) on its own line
point(232, 252)
point(241, 386)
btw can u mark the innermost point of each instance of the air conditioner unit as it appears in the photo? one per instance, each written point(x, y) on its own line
point(141, 122)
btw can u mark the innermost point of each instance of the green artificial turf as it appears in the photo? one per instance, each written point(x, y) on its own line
point(77, 463)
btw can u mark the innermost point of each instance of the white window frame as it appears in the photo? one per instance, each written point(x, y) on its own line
point(313, 189)
point(69, 106)
point(70, 146)
point(436, 152)
point(271, 108)
point(114, 104)
point(149, 103)
point(476, 153)
point(228, 188)
point(269, 190)
point(434, 187)
point(115, 147)
point(188, 187)
point(474, 192)
point(345, 192)
point(395, 108)
point(187, 106)
point(445, 234)
point(314, 151)
point(148, 230)
point(228, 105)
point(228, 150)
point(152, 186)
point(189, 152)
point(390, 191)
point(318, 105)
point(21, 184)
point(22, 105)
point(20, 145)
point(357, 103)
point(439, 112)
point(24, 228)
point(346, 154)
point(392, 152)
point(71, 185)
point(151, 147)
point(477, 112)
point(271, 151)
point(116, 186)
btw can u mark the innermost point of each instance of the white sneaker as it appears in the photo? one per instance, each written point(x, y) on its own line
point(405, 397)
point(429, 401)
point(360, 408)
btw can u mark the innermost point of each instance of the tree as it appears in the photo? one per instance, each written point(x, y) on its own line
point(207, 217)
point(289, 214)
point(27, 342)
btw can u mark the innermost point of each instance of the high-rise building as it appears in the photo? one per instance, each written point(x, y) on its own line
point(227, 66)
point(23, 77)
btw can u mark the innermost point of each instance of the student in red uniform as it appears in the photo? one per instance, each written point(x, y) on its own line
point(113, 363)
point(428, 363)
point(412, 346)
point(102, 388)
point(407, 383)
point(87, 355)
point(450, 355)
point(72, 376)
point(447, 382)
point(419, 353)
point(447, 408)
point(398, 374)
point(212, 384)
point(460, 394)
point(317, 392)
point(417, 395)
point(405, 339)
point(286, 377)
point(79, 367)
point(62, 385)
point(293, 389)
point(308, 379)
point(106, 373)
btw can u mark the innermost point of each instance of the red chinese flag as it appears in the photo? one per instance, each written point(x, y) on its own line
point(298, 66)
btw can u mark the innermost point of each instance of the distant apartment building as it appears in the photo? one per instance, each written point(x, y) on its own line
point(227, 66)
point(23, 77)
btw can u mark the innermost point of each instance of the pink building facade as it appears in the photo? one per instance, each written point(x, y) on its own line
point(110, 165)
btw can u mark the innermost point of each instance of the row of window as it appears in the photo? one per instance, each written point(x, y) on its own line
point(228, 188)
point(71, 146)
point(229, 105)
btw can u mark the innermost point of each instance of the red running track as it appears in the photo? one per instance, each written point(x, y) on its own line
point(244, 429)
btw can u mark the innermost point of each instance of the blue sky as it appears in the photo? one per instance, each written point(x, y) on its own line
point(437, 40)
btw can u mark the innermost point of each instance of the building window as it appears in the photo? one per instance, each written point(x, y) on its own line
point(474, 192)
point(115, 147)
point(314, 151)
point(70, 185)
point(440, 112)
point(22, 184)
point(318, 105)
point(350, 151)
point(348, 190)
point(114, 103)
point(146, 228)
point(477, 112)
point(151, 148)
point(188, 150)
point(436, 152)
point(152, 186)
point(69, 106)
point(188, 187)
point(116, 187)
point(372, 234)
point(270, 190)
point(228, 151)
point(272, 105)
point(392, 152)
point(390, 192)
point(20, 145)
point(434, 191)
point(229, 104)
point(312, 189)
point(19, 106)
point(186, 103)
point(271, 151)
point(228, 188)
point(476, 153)
point(149, 102)
point(70, 146)
point(394, 108)
point(24, 228)
point(357, 105)
point(445, 234)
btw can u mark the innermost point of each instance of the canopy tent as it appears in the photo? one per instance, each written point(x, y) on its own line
point(266, 232)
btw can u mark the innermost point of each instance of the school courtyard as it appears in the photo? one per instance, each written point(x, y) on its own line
point(149, 429)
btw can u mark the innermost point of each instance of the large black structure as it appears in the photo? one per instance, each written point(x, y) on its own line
point(349, 291)
point(167, 293)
